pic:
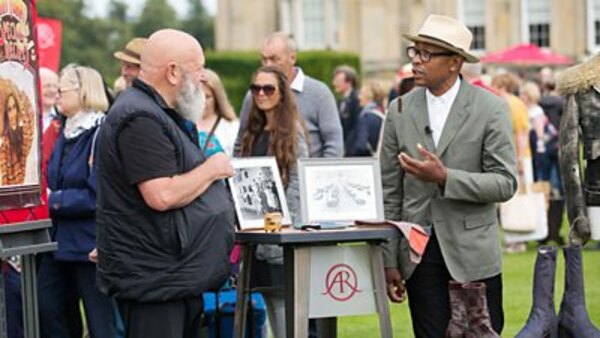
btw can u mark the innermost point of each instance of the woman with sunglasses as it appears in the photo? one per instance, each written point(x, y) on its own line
point(274, 128)
point(218, 126)
point(72, 204)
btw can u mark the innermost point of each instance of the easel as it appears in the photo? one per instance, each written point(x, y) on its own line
point(25, 239)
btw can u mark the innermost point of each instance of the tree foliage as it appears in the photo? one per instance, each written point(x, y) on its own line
point(91, 40)
point(156, 14)
point(200, 24)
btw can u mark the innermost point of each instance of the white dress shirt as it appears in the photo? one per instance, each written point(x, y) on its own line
point(438, 108)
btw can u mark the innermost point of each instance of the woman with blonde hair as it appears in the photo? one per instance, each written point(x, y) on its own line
point(530, 94)
point(72, 204)
point(218, 125)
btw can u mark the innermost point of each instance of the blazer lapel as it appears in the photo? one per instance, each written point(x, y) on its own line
point(420, 117)
point(455, 120)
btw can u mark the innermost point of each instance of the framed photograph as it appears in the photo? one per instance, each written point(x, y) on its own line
point(340, 190)
point(20, 135)
point(257, 190)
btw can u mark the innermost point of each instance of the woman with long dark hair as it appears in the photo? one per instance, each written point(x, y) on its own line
point(15, 142)
point(275, 128)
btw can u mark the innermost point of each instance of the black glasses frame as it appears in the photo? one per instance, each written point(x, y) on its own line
point(425, 56)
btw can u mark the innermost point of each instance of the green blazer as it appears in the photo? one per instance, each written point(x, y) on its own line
point(476, 146)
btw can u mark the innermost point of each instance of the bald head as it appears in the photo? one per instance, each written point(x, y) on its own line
point(49, 83)
point(168, 57)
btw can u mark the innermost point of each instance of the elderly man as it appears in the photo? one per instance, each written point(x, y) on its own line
point(315, 101)
point(165, 218)
point(130, 59)
point(447, 159)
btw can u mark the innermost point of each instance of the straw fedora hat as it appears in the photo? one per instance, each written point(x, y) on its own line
point(132, 51)
point(448, 33)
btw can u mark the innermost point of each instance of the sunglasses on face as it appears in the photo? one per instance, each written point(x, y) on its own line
point(268, 90)
point(425, 56)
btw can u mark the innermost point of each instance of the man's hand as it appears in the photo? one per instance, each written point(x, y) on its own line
point(395, 287)
point(430, 169)
point(219, 165)
point(93, 256)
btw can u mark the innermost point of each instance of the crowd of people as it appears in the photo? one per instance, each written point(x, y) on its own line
point(132, 172)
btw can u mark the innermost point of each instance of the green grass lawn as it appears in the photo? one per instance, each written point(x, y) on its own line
point(517, 279)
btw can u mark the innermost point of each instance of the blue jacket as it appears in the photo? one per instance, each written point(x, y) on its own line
point(365, 137)
point(72, 202)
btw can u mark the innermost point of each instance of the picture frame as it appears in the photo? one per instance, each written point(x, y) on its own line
point(340, 190)
point(20, 112)
point(257, 189)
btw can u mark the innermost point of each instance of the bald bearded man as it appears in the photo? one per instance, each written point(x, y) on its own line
point(165, 220)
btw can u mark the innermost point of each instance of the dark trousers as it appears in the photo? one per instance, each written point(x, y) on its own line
point(59, 279)
point(173, 319)
point(428, 296)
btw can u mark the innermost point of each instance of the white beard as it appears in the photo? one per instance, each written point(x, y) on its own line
point(190, 101)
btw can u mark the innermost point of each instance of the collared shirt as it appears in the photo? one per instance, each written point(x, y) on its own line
point(298, 82)
point(48, 117)
point(438, 109)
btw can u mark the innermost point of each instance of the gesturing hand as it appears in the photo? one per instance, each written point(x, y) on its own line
point(430, 169)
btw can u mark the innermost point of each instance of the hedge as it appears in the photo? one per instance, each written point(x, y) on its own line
point(236, 68)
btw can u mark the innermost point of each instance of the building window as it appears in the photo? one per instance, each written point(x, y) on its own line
point(474, 18)
point(593, 16)
point(538, 25)
point(478, 37)
point(313, 23)
point(539, 34)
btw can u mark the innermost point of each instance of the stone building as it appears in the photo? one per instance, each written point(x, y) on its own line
point(372, 28)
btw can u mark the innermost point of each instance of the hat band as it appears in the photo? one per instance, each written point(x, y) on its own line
point(441, 41)
point(131, 53)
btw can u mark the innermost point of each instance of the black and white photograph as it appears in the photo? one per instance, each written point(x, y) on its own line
point(338, 190)
point(257, 190)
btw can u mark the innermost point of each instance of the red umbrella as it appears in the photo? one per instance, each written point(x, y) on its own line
point(527, 54)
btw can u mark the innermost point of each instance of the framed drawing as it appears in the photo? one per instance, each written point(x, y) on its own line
point(19, 111)
point(257, 189)
point(340, 190)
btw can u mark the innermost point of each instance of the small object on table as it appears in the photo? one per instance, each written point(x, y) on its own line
point(273, 222)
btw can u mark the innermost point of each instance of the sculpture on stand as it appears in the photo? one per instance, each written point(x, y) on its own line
point(580, 124)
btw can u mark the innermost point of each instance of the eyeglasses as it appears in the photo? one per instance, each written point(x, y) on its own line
point(76, 87)
point(267, 89)
point(64, 90)
point(425, 56)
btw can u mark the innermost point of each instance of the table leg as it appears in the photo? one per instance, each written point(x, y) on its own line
point(31, 324)
point(243, 291)
point(382, 305)
point(297, 278)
